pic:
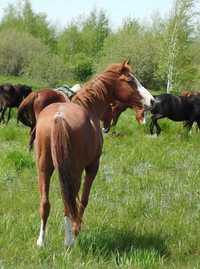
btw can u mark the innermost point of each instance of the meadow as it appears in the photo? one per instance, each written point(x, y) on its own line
point(144, 208)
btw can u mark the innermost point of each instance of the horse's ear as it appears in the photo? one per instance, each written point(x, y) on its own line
point(126, 63)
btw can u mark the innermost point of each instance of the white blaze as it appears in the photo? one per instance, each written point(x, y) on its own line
point(146, 95)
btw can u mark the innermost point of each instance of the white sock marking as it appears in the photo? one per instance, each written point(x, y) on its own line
point(69, 237)
point(40, 241)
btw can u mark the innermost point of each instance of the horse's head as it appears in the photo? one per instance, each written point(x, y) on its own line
point(128, 89)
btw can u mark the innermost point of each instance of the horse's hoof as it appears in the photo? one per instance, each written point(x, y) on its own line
point(105, 130)
point(153, 135)
point(40, 243)
point(69, 242)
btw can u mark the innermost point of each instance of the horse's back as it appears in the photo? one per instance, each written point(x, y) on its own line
point(177, 108)
point(82, 130)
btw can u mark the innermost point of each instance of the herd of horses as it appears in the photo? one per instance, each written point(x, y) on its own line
point(67, 134)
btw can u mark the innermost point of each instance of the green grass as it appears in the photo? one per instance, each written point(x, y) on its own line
point(144, 209)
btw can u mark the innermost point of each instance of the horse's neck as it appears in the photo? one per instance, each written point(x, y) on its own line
point(95, 99)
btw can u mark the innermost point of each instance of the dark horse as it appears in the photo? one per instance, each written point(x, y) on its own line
point(34, 103)
point(69, 139)
point(176, 108)
point(111, 115)
point(11, 96)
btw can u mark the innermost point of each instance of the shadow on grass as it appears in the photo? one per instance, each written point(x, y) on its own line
point(109, 241)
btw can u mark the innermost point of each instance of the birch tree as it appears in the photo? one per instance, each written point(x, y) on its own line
point(178, 40)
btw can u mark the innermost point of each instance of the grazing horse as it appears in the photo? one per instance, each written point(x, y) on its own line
point(111, 115)
point(11, 96)
point(69, 139)
point(176, 108)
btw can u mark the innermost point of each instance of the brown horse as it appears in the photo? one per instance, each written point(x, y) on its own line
point(69, 139)
point(190, 93)
point(111, 115)
point(33, 104)
point(11, 96)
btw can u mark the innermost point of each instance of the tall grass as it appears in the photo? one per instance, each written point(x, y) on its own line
point(144, 208)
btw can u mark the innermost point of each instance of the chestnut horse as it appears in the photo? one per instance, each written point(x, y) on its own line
point(111, 115)
point(69, 139)
point(33, 104)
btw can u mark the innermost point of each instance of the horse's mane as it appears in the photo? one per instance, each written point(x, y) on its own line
point(98, 87)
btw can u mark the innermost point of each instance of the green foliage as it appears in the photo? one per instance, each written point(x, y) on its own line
point(81, 43)
point(22, 18)
point(23, 54)
point(82, 67)
point(176, 62)
point(163, 51)
point(131, 43)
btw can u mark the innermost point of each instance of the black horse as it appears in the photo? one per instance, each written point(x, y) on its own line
point(176, 108)
point(11, 96)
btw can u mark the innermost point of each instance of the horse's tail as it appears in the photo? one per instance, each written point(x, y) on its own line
point(61, 154)
point(25, 112)
point(32, 137)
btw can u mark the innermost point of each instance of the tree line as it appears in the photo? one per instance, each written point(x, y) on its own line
point(165, 51)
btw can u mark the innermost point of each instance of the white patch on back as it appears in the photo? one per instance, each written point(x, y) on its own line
point(59, 114)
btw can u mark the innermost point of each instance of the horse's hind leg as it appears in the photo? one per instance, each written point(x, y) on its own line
point(9, 113)
point(72, 225)
point(198, 125)
point(188, 124)
point(90, 174)
point(45, 170)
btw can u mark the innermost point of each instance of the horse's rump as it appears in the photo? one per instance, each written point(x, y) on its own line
point(25, 112)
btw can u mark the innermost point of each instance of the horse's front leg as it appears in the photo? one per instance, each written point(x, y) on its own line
point(151, 127)
point(2, 114)
point(90, 175)
point(154, 122)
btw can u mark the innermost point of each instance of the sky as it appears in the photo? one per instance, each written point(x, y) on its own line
point(61, 12)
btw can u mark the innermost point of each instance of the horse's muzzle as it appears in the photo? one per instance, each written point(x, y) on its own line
point(153, 103)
